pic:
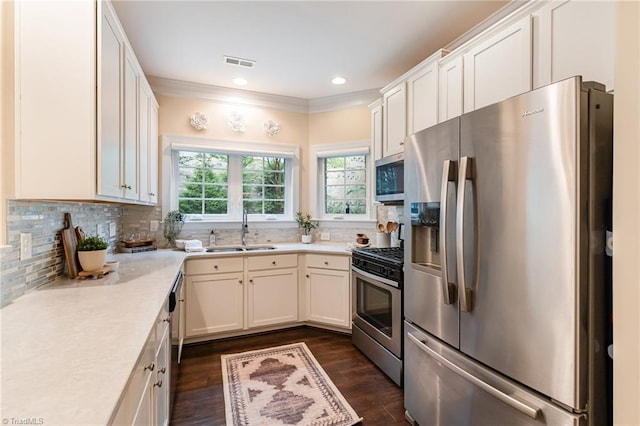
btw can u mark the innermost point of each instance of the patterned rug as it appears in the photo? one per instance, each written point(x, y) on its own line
point(284, 385)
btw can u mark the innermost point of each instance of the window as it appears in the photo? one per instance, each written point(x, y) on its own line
point(345, 182)
point(215, 180)
point(341, 178)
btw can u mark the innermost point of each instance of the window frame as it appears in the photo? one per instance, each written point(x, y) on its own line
point(316, 178)
point(171, 144)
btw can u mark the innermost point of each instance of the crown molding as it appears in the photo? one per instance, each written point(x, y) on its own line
point(339, 102)
point(205, 92)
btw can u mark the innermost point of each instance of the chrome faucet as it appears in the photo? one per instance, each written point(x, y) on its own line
point(244, 227)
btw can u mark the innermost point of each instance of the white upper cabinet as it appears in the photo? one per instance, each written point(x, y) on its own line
point(394, 123)
point(76, 105)
point(422, 94)
point(499, 66)
point(451, 91)
point(575, 38)
point(376, 128)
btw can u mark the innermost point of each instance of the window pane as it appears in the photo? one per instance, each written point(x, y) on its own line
point(263, 187)
point(345, 185)
point(253, 207)
point(202, 177)
point(215, 207)
point(190, 206)
point(274, 207)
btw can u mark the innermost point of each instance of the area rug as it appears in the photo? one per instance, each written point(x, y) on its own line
point(283, 385)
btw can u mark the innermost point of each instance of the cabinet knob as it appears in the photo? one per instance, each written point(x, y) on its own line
point(215, 266)
point(162, 370)
point(240, 281)
point(307, 275)
point(158, 384)
point(273, 263)
point(326, 262)
point(251, 281)
point(167, 319)
point(125, 186)
point(150, 367)
point(152, 194)
point(180, 300)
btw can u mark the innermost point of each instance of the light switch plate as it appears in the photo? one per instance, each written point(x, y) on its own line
point(153, 225)
point(325, 236)
point(26, 246)
point(112, 229)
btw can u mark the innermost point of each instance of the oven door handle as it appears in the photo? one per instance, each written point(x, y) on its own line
point(374, 277)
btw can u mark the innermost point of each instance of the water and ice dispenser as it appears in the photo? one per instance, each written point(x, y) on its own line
point(425, 228)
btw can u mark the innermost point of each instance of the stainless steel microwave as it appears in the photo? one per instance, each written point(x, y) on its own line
point(390, 179)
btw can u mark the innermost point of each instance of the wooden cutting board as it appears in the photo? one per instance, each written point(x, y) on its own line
point(70, 242)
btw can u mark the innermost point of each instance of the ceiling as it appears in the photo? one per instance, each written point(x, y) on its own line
point(298, 46)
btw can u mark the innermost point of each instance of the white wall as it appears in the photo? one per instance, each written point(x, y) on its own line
point(626, 217)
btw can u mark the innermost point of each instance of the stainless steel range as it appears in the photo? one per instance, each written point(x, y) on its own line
point(377, 276)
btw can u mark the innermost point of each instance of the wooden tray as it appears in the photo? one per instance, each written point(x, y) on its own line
point(138, 243)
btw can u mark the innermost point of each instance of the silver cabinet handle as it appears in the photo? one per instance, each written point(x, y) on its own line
point(150, 367)
point(167, 319)
point(162, 370)
point(465, 173)
point(448, 175)
point(152, 194)
point(496, 393)
point(158, 383)
point(125, 186)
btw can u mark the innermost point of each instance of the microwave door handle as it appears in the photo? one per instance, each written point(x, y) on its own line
point(448, 175)
point(465, 173)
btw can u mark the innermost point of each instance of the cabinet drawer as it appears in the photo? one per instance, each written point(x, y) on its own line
point(213, 266)
point(328, 261)
point(271, 262)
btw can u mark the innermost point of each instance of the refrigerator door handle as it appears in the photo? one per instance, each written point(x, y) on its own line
point(448, 175)
point(465, 174)
point(496, 393)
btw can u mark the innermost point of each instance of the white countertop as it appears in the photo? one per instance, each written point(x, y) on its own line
point(68, 348)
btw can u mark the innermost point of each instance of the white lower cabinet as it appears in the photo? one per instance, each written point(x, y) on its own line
point(145, 401)
point(273, 290)
point(328, 291)
point(214, 303)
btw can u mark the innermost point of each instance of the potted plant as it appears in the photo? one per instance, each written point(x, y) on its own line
point(306, 224)
point(172, 226)
point(92, 253)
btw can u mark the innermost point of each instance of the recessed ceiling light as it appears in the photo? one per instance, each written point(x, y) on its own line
point(339, 80)
point(239, 81)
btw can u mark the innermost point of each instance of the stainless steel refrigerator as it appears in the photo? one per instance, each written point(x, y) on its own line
point(505, 275)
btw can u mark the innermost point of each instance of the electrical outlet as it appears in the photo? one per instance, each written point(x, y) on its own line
point(325, 236)
point(153, 225)
point(26, 246)
point(112, 229)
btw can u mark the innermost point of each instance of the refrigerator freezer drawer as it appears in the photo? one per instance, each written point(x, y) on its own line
point(443, 388)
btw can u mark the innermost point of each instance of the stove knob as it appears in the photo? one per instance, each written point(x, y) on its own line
point(384, 271)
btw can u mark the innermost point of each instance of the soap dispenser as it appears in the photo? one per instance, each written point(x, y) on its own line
point(212, 239)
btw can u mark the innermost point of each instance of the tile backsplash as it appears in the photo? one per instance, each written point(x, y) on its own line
point(44, 220)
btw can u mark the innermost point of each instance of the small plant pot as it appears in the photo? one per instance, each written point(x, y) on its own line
point(306, 239)
point(92, 260)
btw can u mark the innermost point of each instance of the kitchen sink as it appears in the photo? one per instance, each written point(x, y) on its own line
point(227, 249)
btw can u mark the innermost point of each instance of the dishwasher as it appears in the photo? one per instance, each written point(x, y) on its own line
point(176, 312)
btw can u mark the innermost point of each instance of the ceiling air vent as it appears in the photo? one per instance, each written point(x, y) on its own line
point(247, 63)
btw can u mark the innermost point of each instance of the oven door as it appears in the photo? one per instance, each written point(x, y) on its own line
point(378, 309)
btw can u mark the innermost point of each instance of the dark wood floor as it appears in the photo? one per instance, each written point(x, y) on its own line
point(199, 397)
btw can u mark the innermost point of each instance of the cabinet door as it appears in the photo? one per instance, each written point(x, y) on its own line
point(451, 93)
point(110, 113)
point(273, 297)
point(214, 303)
point(328, 297)
point(376, 129)
point(143, 143)
point(499, 67)
point(422, 99)
point(144, 414)
point(153, 151)
point(394, 112)
point(575, 38)
point(161, 384)
point(130, 151)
